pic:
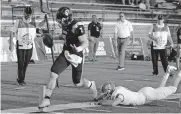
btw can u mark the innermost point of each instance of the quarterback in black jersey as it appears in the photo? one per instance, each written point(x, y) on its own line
point(76, 41)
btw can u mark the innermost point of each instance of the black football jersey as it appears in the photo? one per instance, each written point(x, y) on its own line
point(71, 34)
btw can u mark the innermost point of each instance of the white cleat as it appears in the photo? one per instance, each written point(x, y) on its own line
point(171, 68)
point(94, 89)
point(44, 103)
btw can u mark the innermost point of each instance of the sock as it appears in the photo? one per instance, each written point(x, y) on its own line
point(47, 97)
point(48, 93)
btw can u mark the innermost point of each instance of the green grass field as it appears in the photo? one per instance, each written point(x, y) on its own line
point(136, 75)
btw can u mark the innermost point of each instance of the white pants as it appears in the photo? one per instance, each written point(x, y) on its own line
point(160, 93)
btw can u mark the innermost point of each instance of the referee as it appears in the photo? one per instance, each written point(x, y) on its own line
point(94, 32)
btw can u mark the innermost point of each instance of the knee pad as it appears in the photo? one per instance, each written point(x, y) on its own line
point(53, 75)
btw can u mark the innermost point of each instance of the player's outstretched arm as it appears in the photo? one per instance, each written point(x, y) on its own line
point(101, 97)
point(113, 103)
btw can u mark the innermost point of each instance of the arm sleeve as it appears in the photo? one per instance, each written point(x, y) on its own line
point(15, 26)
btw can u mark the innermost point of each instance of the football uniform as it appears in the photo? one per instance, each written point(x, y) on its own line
point(144, 95)
point(71, 34)
point(160, 93)
point(129, 97)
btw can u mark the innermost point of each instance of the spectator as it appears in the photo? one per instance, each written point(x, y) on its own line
point(123, 31)
point(142, 5)
point(178, 7)
point(130, 2)
point(159, 34)
point(94, 32)
point(147, 3)
point(160, 4)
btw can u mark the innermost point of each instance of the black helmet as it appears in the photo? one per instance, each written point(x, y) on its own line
point(63, 12)
point(28, 10)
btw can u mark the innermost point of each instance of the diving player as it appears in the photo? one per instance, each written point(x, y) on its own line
point(114, 96)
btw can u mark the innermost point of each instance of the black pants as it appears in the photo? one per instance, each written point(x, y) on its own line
point(23, 56)
point(163, 57)
point(61, 64)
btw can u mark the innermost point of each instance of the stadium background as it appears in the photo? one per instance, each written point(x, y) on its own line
point(137, 74)
point(106, 11)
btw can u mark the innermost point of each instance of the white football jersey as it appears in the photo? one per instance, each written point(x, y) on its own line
point(130, 97)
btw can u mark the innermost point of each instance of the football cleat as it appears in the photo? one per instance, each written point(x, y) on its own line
point(171, 68)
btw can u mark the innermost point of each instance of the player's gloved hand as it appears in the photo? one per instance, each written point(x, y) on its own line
point(95, 103)
point(76, 49)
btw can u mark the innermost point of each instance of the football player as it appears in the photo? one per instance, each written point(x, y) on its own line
point(73, 32)
point(120, 95)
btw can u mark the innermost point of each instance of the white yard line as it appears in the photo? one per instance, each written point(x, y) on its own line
point(129, 80)
point(51, 108)
point(95, 110)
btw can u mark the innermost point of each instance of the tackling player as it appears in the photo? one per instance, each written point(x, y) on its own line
point(76, 41)
point(120, 95)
